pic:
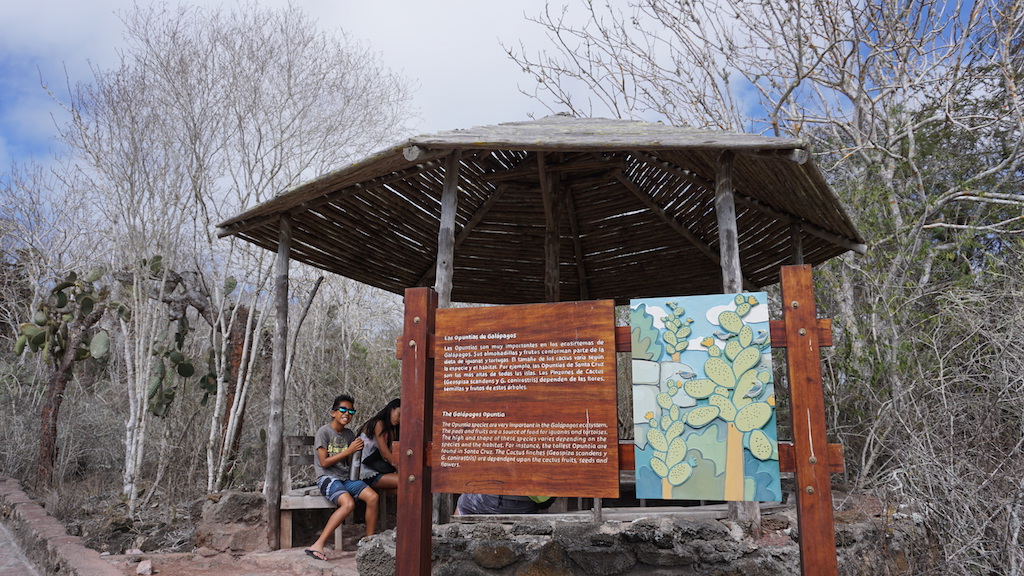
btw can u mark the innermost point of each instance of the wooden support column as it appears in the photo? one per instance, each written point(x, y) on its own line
point(577, 246)
point(275, 424)
point(413, 539)
point(443, 276)
point(810, 447)
point(796, 232)
point(732, 281)
point(552, 235)
point(728, 233)
point(446, 230)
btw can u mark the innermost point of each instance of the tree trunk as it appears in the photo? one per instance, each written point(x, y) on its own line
point(55, 397)
point(48, 432)
point(237, 375)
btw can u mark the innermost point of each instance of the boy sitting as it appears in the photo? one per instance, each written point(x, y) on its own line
point(334, 444)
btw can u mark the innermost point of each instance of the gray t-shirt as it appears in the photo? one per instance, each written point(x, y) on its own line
point(334, 442)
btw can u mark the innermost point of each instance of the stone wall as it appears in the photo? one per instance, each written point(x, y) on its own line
point(870, 539)
point(44, 540)
point(558, 545)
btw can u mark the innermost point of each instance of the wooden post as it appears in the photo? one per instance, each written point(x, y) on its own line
point(446, 230)
point(552, 234)
point(728, 235)
point(732, 282)
point(796, 232)
point(275, 424)
point(807, 398)
point(413, 540)
point(443, 275)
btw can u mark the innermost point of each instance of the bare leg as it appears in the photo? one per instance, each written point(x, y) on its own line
point(387, 482)
point(345, 506)
point(370, 497)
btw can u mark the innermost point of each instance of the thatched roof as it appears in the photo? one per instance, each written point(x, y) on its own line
point(637, 211)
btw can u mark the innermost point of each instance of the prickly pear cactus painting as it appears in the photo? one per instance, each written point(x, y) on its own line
point(704, 399)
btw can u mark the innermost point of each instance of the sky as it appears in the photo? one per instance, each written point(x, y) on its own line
point(451, 49)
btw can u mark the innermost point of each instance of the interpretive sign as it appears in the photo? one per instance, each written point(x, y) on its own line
point(524, 400)
point(704, 398)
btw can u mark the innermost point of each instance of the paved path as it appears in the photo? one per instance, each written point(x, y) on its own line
point(12, 560)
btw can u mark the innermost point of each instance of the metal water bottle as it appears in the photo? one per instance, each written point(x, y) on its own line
point(357, 465)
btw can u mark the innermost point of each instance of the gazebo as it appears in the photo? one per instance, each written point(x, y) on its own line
point(551, 210)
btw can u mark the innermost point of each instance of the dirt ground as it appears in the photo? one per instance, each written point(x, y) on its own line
point(292, 562)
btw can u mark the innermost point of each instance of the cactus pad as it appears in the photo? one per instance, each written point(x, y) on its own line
point(747, 389)
point(676, 452)
point(730, 321)
point(701, 416)
point(732, 348)
point(753, 416)
point(726, 409)
point(746, 336)
point(699, 388)
point(720, 371)
point(659, 467)
point(664, 400)
point(680, 472)
point(674, 430)
point(746, 359)
point(656, 438)
point(760, 445)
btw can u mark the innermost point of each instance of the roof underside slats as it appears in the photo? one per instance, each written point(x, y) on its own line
point(636, 207)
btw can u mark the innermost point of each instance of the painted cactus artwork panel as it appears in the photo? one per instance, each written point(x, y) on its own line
point(704, 399)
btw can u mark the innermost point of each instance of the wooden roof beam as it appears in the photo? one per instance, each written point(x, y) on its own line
point(705, 249)
point(241, 226)
point(748, 201)
point(794, 155)
point(677, 171)
point(809, 227)
point(577, 245)
point(446, 230)
point(477, 217)
point(587, 161)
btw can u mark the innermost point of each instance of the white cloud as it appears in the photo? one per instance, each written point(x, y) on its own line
point(658, 313)
point(452, 49)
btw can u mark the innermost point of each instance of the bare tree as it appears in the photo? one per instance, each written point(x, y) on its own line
point(211, 111)
point(348, 346)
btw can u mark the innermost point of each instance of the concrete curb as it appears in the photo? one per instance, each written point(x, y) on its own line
point(44, 540)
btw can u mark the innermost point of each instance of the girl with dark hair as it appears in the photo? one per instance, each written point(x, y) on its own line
point(377, 435)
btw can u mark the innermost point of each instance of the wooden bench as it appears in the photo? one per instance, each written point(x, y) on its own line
point(298, 451)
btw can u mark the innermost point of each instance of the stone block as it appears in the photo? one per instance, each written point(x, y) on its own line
point(376, 555)
point(495, 555)
point(551, 561)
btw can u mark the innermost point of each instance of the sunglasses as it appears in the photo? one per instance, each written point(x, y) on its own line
point(346, 410)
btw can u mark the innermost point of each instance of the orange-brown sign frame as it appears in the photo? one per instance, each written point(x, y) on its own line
point(809, 455)
point(525, 400)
